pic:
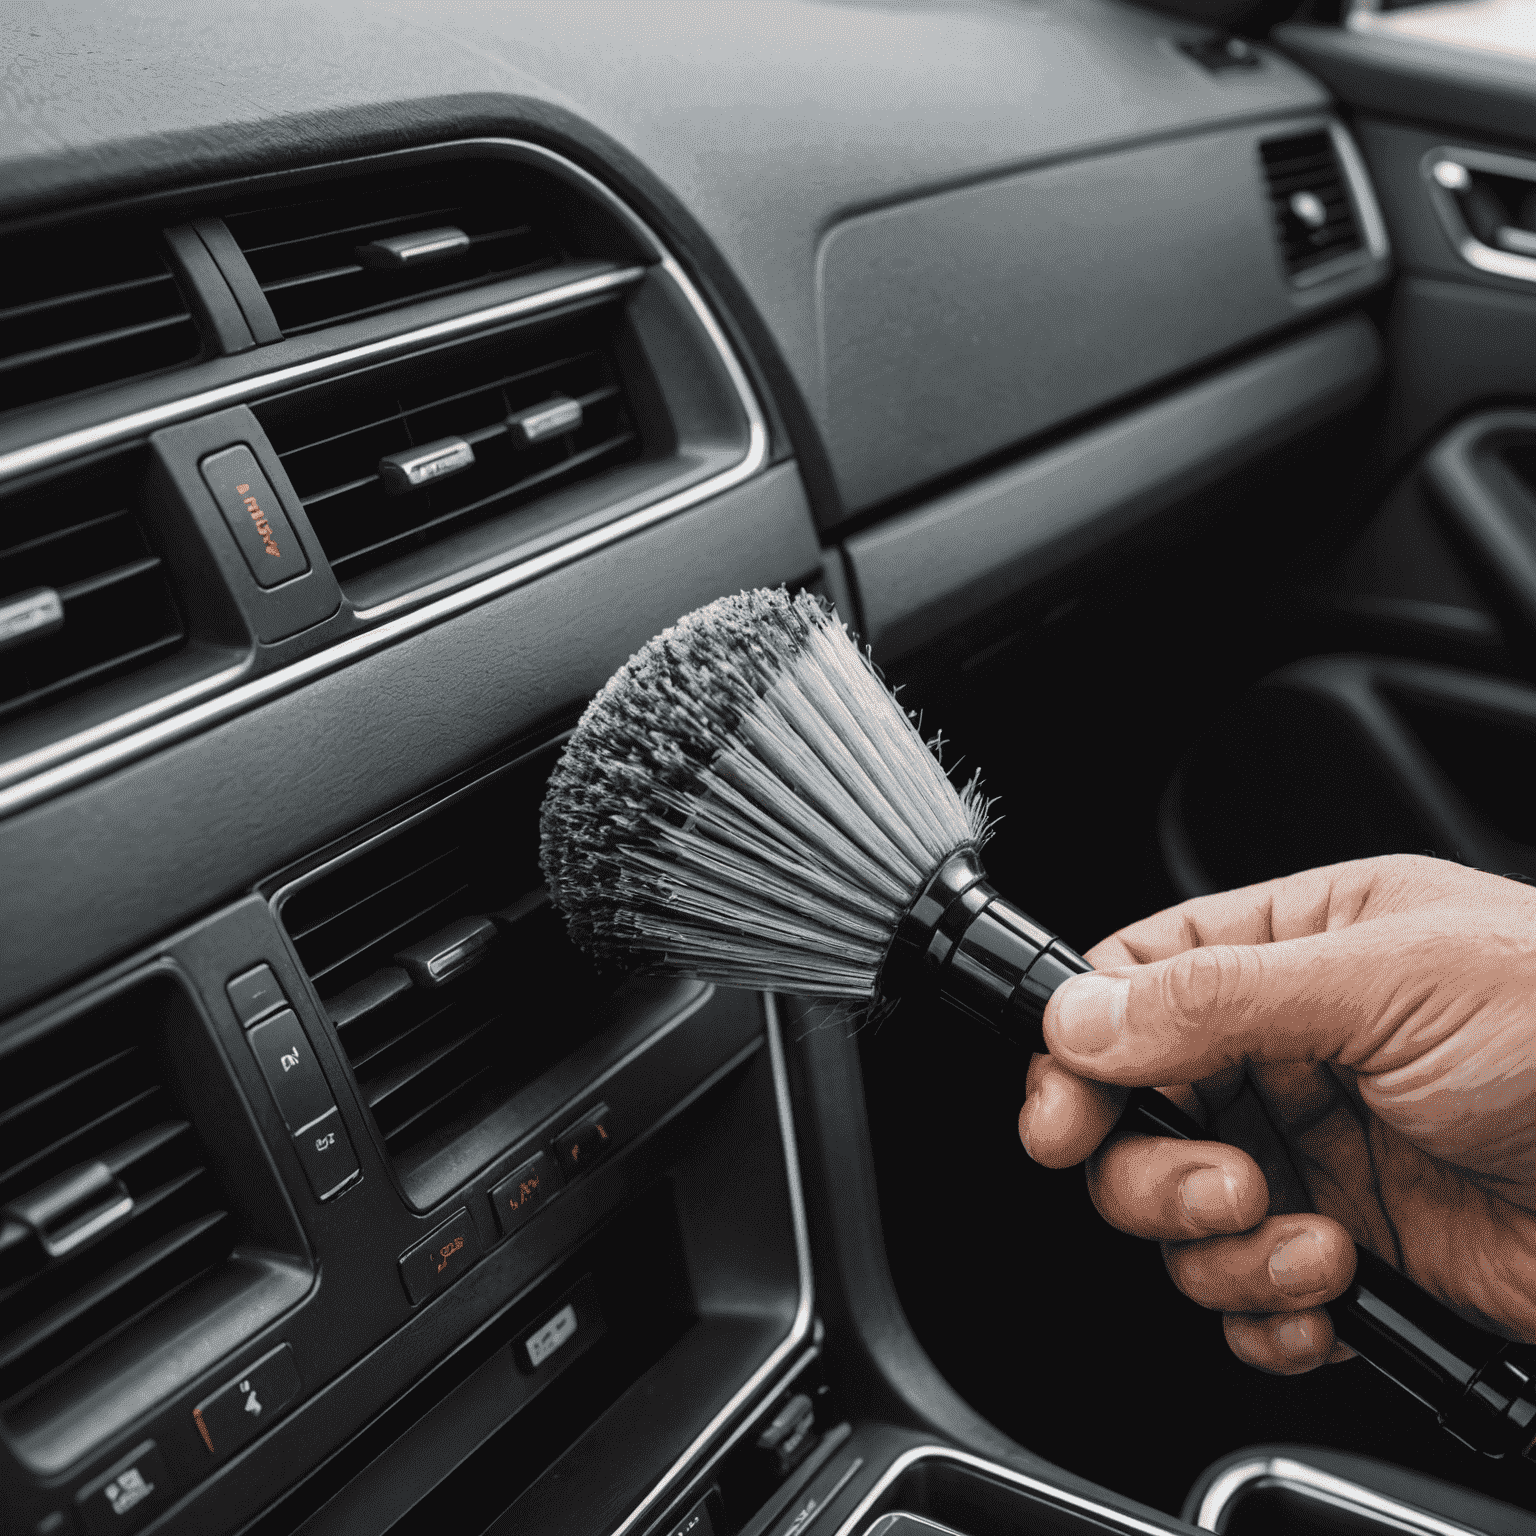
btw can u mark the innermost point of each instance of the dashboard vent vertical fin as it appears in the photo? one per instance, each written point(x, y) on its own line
point(1314, 217)
point(107, 1207)
point(339, 251)
point(92, 305)
point(477, 401)
point(79, 537)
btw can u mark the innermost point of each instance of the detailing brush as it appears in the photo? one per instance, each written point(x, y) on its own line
point(746, 802)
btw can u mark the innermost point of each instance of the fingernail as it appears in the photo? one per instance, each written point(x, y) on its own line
point(1297, 1266)
point(1209, 1197)
point(1089, 1012)
point(1294, 1337)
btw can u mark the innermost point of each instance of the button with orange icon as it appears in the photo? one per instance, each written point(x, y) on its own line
point(586, 1143)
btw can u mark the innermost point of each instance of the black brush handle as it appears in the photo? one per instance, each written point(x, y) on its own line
point(997, 965)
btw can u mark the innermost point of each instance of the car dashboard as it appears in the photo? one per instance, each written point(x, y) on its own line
point(373, 381)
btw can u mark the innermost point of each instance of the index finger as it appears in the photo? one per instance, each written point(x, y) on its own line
point(1288, 907)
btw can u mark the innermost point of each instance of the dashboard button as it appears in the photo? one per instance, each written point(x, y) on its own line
point(255, 993)
point(127, 1496)
point(437, 1261)
point(255, 516)
point(287, 1061)
point(524, 1191)
point(240, 1410)
point(325, 1149)
point(585, 1144)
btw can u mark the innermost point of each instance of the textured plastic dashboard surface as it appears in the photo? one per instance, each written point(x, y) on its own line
point(964, 322)
point(752, 127)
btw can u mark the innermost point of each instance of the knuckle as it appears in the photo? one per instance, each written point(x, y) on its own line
point(1195, 988)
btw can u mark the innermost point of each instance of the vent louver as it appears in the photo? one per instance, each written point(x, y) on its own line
point(304, 247)
point(333, 448)
point(434, 1054)
point(79, 536)
point(107, 1207)
point(1314, 218)
point(93, 305)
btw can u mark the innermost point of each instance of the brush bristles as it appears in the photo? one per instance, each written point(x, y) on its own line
point(746, 802)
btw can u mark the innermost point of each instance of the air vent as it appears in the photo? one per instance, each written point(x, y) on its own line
point(483, 430)
point(1314, 218)
point(343, 249)
point(83, 594)
point(93, 305)
point(446, 973)
point(107, 1207)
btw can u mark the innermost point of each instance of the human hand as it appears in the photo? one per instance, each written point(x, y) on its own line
point(1370, 1027)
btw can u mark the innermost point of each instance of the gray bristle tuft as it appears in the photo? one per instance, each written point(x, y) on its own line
point(745, 801)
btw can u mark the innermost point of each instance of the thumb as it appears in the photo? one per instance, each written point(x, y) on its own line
point(1187, 1017)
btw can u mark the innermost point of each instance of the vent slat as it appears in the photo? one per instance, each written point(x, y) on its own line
point(391, 1085)
point(93, 1089)
point(59, 350)
point(79, 534)
point(61, 1153)
point(92, 304)
point(523, 378)
point(428, 1061)
point(302, 249)
point(366, 282)
point(302, 937)
point(161, 281)
point(428, 1114)
point(1309, 164)
point(105, 579)
point(362, 526)
point(566, 469)
point(392, 938)
point(127, 1277)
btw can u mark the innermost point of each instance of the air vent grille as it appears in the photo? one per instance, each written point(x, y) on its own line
point(93, 305)
point(107, 1207)
point(303, 247)
point(1314, 217)
point(333, 453)
point(431, 1059)
point(79, 536)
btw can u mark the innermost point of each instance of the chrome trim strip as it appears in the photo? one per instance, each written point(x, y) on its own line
point(1373, 225)
point(1076, 1501)
point(1472, 250)
point(801, 1325)
point(1323, 1486)
point(38, 455)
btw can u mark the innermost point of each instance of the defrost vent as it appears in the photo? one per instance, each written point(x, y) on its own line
point(107, 1207)
point(1314, 217)
point(83, 594)
point(93, 304)
point(389, 461)
point(340, 250)
point(442, 965)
